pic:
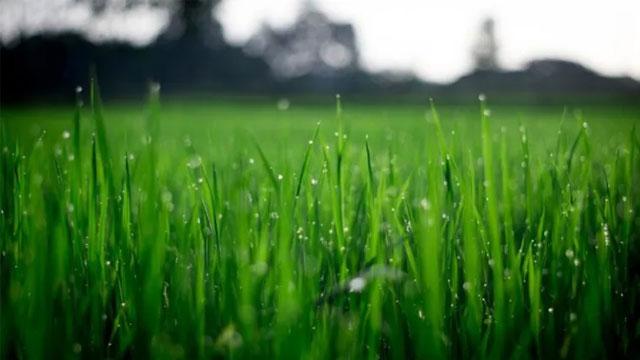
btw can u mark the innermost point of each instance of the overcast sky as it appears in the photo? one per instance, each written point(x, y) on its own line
point(432, 39)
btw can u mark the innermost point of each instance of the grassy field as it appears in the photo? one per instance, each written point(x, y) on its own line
point(233, 229)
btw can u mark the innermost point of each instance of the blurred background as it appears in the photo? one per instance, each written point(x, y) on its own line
point(516, 51)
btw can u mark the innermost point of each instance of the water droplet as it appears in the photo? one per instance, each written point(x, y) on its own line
point(357, 284)
point(283, 104)
point(259, 268)
point(194, 162)
point(424, 203)
point(187, 141)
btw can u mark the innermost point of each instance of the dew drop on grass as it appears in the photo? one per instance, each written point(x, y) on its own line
point(605, 232)
point(283, 104)
point(356, 285)
point(424, 204)
point(166, 196)
point(194, 162)
point(66, 134)
point(259, 268)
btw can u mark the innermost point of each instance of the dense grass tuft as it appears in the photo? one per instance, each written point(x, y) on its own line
point(425, 239)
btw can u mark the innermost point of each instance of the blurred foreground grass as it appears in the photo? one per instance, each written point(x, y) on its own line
point(234, 229)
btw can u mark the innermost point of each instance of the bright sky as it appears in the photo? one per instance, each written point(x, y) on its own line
point(432, 39)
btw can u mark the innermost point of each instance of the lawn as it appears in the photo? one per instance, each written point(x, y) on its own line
point(332, 229)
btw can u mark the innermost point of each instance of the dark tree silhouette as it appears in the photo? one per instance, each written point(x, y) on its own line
point(485, 50)
point(189, 56)
point(315, 56)
point(193, 20)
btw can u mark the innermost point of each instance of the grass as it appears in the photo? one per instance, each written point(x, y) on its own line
point(198, 230)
